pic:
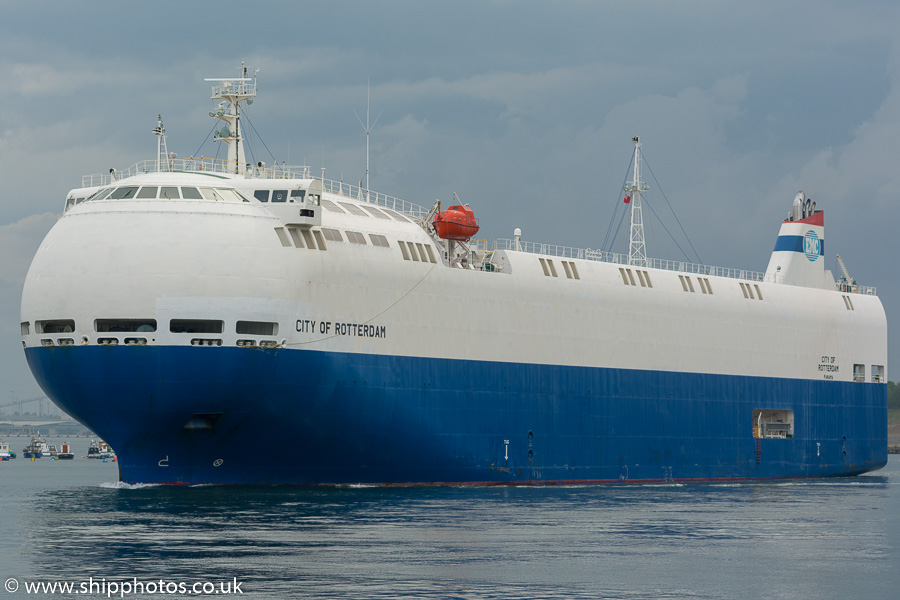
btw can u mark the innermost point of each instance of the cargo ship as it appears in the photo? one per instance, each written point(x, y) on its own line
point(185, 309)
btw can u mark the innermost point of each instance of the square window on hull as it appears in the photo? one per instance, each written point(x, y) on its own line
point(195, 326)
point(55, 326)
point(124, 325)
point(256, 328)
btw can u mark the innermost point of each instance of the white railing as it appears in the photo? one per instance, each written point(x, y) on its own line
point(622, 259)
point(225, 167)
point(481, 250)
point(360, 194)
point(852, 288)
point(196, 165)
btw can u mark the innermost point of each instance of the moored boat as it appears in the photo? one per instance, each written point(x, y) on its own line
point(65, 452)
point(37, 448)
point(5, 452)
point(99, 449)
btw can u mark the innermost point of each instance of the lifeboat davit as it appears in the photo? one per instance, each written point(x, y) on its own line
point(456, 223)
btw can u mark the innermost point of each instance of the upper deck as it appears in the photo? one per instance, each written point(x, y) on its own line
point(481, 248)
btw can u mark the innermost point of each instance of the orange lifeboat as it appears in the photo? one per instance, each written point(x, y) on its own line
point(456, 223)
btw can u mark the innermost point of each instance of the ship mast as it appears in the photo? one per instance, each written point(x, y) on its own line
point(637, 254)
point(162, 152)
point(231, 91)
point(368, 129)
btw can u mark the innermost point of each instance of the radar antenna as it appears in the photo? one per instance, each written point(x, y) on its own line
point(637, 254)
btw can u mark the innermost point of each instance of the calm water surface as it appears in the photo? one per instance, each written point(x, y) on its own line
point(70, 521)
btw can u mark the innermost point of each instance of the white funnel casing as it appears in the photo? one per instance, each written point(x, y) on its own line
point(799, 254)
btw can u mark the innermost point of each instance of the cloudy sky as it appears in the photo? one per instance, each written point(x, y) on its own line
point(525, 109)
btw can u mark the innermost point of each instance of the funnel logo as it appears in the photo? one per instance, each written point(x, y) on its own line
point(811, 245)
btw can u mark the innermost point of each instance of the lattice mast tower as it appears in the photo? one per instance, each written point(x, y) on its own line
point(637, 252)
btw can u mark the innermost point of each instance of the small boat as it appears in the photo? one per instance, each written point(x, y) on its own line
point(65, 452)
point(99, 449)
point(457, 223)
point(38, 448)
point(5, 452)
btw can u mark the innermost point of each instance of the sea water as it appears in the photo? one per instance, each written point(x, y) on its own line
point(70, 522)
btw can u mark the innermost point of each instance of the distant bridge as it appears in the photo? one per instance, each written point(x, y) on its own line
point(25, 401)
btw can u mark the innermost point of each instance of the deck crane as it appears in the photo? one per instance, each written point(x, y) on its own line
point(846, 277)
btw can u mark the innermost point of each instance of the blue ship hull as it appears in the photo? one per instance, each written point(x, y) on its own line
point(195, 415)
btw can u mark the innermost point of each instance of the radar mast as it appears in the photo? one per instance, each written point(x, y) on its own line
point(230, 92)
point(162, 152)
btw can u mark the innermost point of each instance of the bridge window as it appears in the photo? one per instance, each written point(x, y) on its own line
point(123, 193)
point(297, 195)
point(102, 194)
point(279, 195)
point(148, 192)
point(26, 328)
point(261, 195)
point(169, 193)
point(191, 193)
point(877, 372)
point(230, 195)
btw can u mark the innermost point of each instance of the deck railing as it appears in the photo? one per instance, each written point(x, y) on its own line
point(195, 165)
point(225, 167)
point(481, 249)
point(361, 194)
